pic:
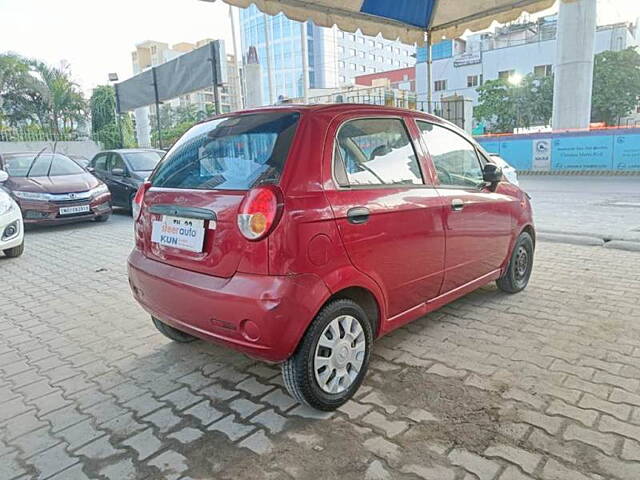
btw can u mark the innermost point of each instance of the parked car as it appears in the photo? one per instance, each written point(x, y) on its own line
point(507, 170)
point(299, 234)
point(123, 171)
point(11, 230)
point(51, 188)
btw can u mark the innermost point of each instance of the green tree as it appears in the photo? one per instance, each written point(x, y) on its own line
point(616, 85)
point(106, 125)
point(504, 106)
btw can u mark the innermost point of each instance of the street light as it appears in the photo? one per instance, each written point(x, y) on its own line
point(113, 77)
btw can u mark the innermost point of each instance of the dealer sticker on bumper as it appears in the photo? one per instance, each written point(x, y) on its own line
point(182, 233)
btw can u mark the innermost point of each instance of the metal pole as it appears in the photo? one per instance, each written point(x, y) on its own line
point(429, 74)
point(305, 62)
point(118, 119)
point(267, 39)
point(214, 76)
point(155, 91)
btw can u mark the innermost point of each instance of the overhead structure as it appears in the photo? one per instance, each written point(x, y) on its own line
point(406, 20)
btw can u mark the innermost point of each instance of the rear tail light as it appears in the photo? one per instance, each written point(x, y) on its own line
point(136, 205)
point(259, 212)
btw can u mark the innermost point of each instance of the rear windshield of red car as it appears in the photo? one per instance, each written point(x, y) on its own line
point(43, 165)
point(229, 153)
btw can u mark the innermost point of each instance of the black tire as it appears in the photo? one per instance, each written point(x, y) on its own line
point(520, 266)
point(298, 371)
point(172, 333)
point(102, 218)
point(15, 251)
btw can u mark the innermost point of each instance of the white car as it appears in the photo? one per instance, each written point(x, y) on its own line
point(507, 170)
point(11, 227)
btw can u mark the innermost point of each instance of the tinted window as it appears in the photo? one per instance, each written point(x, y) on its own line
point(232, 153)
point(116, 161)
point(375, 151)
point(100, 162)
point(44, 165)
point(453, 156)
point(143, 161)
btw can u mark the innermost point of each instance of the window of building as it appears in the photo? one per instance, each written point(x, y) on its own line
point(397, 50)
point(362, 54)
point(453, 156)
point(361, 40)
point(380, 59)
point(352, 52)
point(352, 37)
point(372, 57)
point(472, 81)
point(373, 70)
point(154, 49)
point(340, 50)
point(389, 48)
point(362, 68)
point(342, 79)
point(440, 85)
point(390, 61)
point(380, 46)
point(352, 66)
point(375, 151)
point(340, 64)
point(371, 43)
point(505, 74)
point(543, 70)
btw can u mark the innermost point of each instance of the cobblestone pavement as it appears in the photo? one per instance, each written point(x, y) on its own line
point(544, 384)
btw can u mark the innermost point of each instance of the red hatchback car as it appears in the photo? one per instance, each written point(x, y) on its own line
point(299, 234)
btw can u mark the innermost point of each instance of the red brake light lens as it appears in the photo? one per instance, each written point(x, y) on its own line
point(136, 206)
point(258, 213)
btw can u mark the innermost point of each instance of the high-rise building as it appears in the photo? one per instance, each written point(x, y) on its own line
point(335, 57)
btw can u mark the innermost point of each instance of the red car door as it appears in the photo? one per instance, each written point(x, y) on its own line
point(388, 214)
point(478, 222)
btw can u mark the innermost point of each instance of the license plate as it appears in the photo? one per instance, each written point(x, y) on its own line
point(75, 209)
point(177, 232)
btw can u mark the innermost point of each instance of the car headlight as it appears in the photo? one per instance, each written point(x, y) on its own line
point(6, 204)
point(99, 190)
point(42, 197)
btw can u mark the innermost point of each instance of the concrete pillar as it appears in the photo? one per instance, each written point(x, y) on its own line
point(573, 67)
point(143, 127)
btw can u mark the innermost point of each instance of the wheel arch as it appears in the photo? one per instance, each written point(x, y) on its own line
point(363, 297)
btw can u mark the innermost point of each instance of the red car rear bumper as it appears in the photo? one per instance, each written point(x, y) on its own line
point(260, 315)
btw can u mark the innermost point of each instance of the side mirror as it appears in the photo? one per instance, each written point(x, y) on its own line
point(117, 172)
point(492, 173)
point(4, 176)
point(90, 169)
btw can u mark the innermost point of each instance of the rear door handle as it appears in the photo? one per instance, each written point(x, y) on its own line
point(457, 204)
point(358, 215)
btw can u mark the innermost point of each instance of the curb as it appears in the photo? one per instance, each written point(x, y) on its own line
point(572, 239)
point(588, 240)
point(606, 173)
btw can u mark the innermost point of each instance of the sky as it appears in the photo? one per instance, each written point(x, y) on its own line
point(97, 37)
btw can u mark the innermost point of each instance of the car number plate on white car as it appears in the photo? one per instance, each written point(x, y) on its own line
point(176, 232)
point(74, 209)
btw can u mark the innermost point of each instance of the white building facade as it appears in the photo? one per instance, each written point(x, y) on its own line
point(460, 66)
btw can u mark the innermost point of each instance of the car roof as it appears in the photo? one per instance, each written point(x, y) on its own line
point(131, 150)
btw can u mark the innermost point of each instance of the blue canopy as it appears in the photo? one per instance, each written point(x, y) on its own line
point(407, 20)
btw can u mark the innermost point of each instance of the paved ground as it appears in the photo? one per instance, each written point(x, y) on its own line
point(604, 207)
point(544, 384)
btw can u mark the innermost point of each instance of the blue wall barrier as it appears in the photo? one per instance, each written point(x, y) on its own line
point(613, 149)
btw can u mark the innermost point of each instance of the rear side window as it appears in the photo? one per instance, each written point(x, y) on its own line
point(232, 153)
point(454, 157)
point(100, 162)
point(375, 151)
